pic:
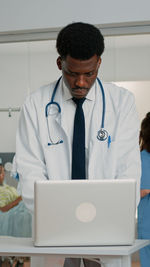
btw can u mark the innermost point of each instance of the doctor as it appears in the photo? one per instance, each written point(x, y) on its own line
point(45, 143)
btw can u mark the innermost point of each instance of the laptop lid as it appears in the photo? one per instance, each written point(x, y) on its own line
point(84, 212)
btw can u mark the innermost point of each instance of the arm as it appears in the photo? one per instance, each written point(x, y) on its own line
point(11, 205)
point(29, 153)
point(144, 192)
point(145, 179)
point(2, 174)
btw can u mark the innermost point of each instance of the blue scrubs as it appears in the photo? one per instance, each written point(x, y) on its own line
point(144, 210)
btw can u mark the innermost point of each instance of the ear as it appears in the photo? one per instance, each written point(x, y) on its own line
point(99, 61)
point(59, 63)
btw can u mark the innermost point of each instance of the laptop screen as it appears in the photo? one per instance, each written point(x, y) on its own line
point(84, 212)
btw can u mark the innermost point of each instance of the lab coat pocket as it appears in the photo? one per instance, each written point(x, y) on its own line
point(57, 161)
point(109, 160)
point(102, 160)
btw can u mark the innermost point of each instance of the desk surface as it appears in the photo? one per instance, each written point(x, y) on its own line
point(24, 246)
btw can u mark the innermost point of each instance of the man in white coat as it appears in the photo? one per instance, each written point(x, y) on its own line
point(45, 136)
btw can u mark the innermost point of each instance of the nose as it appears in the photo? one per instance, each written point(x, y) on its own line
point(81, 81)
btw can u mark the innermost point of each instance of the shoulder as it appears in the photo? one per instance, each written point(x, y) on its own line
point(4, 188)
point(145, 155)
point(119, 98)
point(41, 96)
point(145, 160)
point(117, 92)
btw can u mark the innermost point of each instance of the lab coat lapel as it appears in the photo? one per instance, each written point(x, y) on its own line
point(60, 167)
point(101, 163)
point(95, 150)
point(58, 117)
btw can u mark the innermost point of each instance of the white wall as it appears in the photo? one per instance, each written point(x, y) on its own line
point(141, 91)
point(41, 14)
point(126, 58)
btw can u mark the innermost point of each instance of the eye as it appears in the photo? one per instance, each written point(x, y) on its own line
point(89, 74)
point(72, 74)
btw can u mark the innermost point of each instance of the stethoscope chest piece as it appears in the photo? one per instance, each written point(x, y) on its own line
point(102, 135)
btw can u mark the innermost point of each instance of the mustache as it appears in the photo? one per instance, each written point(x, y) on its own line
point(80, 88)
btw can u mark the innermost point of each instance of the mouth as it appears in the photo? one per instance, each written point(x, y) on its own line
point(79, 92)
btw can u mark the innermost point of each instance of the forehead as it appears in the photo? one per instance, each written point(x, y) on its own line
point(77, 65)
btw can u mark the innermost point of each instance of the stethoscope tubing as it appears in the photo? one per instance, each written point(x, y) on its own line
point(52, 102)
point(103, 101)
point(102, 133)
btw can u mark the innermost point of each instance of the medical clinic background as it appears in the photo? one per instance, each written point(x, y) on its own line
point(28, 54)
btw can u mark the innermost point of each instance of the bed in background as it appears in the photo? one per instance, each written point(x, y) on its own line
point(17, 221)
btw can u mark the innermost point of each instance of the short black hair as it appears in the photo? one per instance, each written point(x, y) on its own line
point(80, 41)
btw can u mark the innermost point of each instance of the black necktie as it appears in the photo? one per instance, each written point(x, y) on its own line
point(78, 146)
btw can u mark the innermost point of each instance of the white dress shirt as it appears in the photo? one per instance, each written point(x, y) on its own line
point(69, 108)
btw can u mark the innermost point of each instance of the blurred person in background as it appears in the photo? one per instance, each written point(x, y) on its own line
point(144, 205)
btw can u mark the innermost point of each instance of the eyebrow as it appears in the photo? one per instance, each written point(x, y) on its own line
point(93, 70)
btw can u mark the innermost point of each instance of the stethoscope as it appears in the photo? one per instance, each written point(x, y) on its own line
point(102, 134)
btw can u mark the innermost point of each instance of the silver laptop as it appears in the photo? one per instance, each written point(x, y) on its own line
point(84, 212)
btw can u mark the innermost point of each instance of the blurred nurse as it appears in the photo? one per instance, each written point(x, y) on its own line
point(144, 206)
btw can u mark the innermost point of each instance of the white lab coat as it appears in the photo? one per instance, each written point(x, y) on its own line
point(38, 161)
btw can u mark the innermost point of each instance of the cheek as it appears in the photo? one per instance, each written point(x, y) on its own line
point(91, 81)
point(68, 81)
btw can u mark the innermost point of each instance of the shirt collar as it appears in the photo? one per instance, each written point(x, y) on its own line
point(68, 96)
